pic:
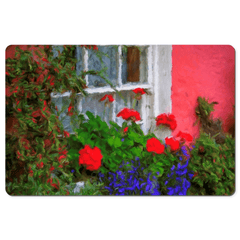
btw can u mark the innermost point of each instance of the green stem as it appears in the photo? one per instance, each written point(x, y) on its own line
point(134, 103)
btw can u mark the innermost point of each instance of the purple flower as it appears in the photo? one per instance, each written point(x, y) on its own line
point(122, 139)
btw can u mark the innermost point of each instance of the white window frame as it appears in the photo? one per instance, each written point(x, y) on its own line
point(159, 82)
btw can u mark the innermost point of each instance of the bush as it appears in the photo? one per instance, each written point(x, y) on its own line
point(214, 166)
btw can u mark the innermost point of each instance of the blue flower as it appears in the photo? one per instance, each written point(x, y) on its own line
point(137, 158)
point(155, 192)
point(180, 158)
point(121, 190)
point(122, 139)
point(190, 175)
point(181, 172)
point(173, 167)
point(72, 171)
point(157, 173)
point(166, 183)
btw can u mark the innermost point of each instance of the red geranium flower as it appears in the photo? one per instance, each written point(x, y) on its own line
point(95, 47)
point(44, 59)
point(110, 98)
point(168, 120)
point(139, 91)
point(90, 157)
point(129, 114)
point(125, 129)
point(185, 136)
point(174, 144)
point(154, 145)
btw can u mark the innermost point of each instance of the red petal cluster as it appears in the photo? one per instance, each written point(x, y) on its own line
point(139, 91)
point(110, 98)
point(129, 114)
point(154, 145)
point(70, 112)
point(40, 165)
point(185, 136)
point(125, 129)
point(174, 144)
point(90, 157)
point(166, 119)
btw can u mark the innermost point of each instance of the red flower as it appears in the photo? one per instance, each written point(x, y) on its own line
point(168, 120)
point(34, 120)
point(40, 165)
point(214, 160)
point(90, 157)
point(70, 113)
point(51, 168)
point(61, 157)
point(61, 166)
point(129, 114)
point(30, 172)
point(19, 109)
point(95, 47)
point(110, 98)
point(7, 73)
point(125, 129)
point(185, 136)
point(40, 156)
point(154, 145)
point(195, 174)
point(174, 144)
point(44, 59)
point(64, 152)
point(139, 91)
point(56, 108)
point(66, 134)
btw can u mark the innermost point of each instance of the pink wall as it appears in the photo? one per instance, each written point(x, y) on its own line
point(206, 71)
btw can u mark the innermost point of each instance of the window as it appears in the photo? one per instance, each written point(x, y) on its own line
point(149, 68)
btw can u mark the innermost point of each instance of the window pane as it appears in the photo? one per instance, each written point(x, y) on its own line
point(55, 50)
point(95, 64)
point(124, 67)
point(79, 56)
point(92, 104)
point(62, 104)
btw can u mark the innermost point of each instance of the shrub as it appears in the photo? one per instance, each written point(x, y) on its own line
point(214, 166)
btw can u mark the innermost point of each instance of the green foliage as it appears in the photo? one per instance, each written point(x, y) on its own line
point(214, 166)
point(117, 146)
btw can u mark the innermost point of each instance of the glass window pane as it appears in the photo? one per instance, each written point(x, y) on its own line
point(110, 62)
point(79, 56)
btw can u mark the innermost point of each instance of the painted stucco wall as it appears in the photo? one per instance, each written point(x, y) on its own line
point(207, 71)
